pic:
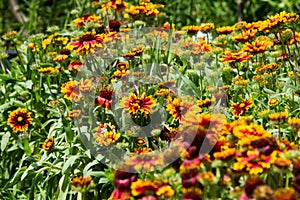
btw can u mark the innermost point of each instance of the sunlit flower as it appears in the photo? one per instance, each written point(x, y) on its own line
point(178, 107)
point(142, 187)
point(75, 65)
point(259, 45)
point(135, 104)
point(273, 102)
point(191, 29)
point(86, 43)
point(146, 8)
point(224, 30)
point(104, 98)
point(207, 176)
point(245, 36)
point(71, 90)
point(9, 35)
point(48, 70)
point(230, 57)
point(285, 193)
point(48, 144)
point(249, 133)
point(114, 5)
point(81, 182)
point(74, 114)
point(107, 138)
point(242, 107)
point(86, 18)
point(279, 117)
point(263, 192)
point(294, 123)
point(267, 67)
point(86, 85)
point(134, 52)
point(165, 190)
point(123, 181)
point(205, 102)
point(19, 120)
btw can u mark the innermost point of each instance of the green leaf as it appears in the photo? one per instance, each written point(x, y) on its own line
point(69, 163)
point(27, 148)
point(4, 140)
point(63, 187)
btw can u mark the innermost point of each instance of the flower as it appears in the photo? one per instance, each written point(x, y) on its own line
point(134, 52)
point(273, 102)
point(105, 134)
point(224, 30)
point(86, 43)
point(146, 8)
point(285, 193)
point(19, 120)
point(85, 19)
point(74, 114)
point(135, 104)
point(244, 36)
point(142, 186)
point(48, 70)
point(114, 5)
point(123, 180)
point(180, 106)
point(71, 90)
point(191, 29)
point(105, 97)
point(294, 123)
point(242, 107)
point(280, 116)
point(230, 57)
point(48, 144)
point(75, 65)
point(259, 45)
point(81, 182)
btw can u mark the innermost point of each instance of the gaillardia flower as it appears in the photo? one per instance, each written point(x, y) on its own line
point(135, 103)
point(19, 120)
point(48, 144)
point(86, 43)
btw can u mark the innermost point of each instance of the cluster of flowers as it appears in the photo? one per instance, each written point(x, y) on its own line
point(247, 145)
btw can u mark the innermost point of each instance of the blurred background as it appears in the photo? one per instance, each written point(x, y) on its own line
point(34, 16)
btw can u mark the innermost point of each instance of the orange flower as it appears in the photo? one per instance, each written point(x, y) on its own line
point(19, 120)
point(81, 182)
point(115, 5)
point(85, 19)
point(259, 45)
point(71, 90)
point(224, 30)
point(48, 70)
point(86, 43)
point(242, 107)
point(75, 65)
point(135, 104)
point(134, 52)
point(244, 36)
point(180, 106)
point(280, 116)
point(48, 144)
point(230, 57)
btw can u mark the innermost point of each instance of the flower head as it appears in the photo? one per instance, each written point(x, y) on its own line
point(19, 120)
point(135, 104)
point(86, 43)
point(48, 144)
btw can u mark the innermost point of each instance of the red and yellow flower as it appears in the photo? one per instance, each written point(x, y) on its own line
point(86, 43)
point(135, 104)
point(19, 120)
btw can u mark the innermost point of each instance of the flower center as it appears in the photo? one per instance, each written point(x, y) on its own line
point(86, 38)
point(20, 118)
